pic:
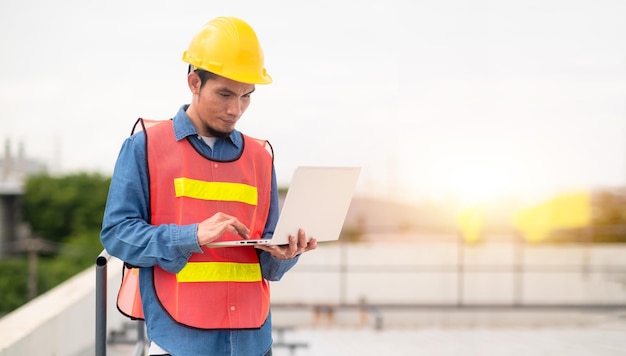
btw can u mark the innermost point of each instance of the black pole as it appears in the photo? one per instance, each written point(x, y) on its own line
point(101, 303)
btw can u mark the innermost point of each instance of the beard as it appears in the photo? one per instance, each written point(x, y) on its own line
point(217, 133)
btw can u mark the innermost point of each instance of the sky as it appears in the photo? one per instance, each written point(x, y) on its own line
point(431, 98)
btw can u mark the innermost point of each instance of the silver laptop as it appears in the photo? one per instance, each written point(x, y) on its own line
point(317, 201)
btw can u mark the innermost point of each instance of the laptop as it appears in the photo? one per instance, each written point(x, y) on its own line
point(317, 201)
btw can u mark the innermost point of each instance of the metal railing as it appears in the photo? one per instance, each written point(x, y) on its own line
point(101, 310)
point(341, 265)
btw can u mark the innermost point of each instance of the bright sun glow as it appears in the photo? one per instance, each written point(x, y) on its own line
point(475, 179)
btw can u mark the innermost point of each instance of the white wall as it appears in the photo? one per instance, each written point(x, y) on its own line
point(62, 321)
point(428, 273)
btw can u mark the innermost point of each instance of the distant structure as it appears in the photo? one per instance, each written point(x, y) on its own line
point(13, 172)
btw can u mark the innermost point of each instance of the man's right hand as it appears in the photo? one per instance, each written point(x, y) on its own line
point(212, 228)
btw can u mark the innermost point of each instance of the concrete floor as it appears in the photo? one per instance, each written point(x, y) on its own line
point(447, 333)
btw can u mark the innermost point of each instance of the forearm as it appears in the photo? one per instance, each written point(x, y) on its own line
point(273, 268)
point(144, 245)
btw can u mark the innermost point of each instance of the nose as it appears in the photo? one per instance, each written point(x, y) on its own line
point(235, 107)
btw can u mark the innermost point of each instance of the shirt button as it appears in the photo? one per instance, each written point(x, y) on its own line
point(215, 165)
point(232, 308)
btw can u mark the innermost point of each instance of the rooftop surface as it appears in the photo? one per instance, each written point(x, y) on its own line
point(514, 333)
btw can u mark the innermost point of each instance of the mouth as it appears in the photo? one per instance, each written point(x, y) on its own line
point(229, 121)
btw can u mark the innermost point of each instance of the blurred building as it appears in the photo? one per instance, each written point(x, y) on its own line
point(14, 168)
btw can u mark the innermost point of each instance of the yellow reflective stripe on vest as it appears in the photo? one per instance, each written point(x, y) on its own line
point(219, 272)
point(222, 191)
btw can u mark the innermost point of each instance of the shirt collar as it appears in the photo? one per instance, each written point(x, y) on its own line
point(184, 128)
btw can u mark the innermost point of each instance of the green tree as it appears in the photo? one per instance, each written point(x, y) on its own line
point(66, 211)
point(57, 207)
point(609, 216)
point(13, 284)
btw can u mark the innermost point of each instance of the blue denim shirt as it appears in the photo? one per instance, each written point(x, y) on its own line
point(127, 235)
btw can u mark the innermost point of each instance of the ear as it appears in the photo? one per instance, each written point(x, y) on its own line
point(194, 82)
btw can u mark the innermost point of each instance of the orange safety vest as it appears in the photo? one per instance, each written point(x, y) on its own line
point(221, 288)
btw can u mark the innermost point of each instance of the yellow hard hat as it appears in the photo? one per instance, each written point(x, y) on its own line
point(229, 47)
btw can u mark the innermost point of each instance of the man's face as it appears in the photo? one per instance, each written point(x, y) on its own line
point(218, 105)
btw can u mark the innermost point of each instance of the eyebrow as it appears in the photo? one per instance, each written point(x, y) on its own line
point(225, 89)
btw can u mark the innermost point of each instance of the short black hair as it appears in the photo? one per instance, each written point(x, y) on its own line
point(203, 74)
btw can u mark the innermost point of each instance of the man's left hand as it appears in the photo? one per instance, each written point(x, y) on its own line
point(296, 247)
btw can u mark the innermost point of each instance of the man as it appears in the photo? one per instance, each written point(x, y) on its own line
point(195, 179)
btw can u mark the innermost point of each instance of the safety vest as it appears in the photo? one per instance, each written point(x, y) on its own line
point(220, 288)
